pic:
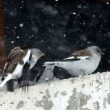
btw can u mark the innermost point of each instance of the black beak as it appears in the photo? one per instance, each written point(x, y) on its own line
point(101, 51)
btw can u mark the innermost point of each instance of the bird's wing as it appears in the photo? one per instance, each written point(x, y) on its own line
point(11, 67)
point(12, 62)
point(15, 51)
point(78, 55)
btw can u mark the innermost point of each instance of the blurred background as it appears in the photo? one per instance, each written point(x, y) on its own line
point(58, 27)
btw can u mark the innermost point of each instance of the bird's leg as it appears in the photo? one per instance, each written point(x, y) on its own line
point(10, 85)
point(84, 73)
point(10, 76)
point(3, 78)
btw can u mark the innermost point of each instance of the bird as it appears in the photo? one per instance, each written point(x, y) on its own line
point(61, 73)
point(81, 62)
point(32, 69)
point(13, 68)
point(35, 55)
point(15, 65)
point(11, 62)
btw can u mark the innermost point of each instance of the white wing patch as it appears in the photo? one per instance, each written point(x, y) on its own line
point(78, 57)
point(69, 58)
point(83, 57)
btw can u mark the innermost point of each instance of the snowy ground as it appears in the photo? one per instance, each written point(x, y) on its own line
point(89, 92)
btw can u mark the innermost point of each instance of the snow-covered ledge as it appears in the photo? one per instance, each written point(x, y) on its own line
point(90, 92)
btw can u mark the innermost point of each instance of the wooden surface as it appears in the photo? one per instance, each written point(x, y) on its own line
point(2, 36)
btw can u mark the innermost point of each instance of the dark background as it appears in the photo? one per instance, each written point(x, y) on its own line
point(58, 27)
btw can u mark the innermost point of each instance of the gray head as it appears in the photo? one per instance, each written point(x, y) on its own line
point(38, 53)
point(95, 49)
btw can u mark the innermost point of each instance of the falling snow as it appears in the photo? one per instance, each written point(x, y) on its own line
point(74, 13)
point(64, 35)
point(12, 42)
point(18, 37)
point(79, 6)
point(58, 27)
point(15, 27)
point(21, 25)
point(107, 3)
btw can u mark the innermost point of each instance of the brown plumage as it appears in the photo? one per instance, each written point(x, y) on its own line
point(14, 57)
point(81, 53)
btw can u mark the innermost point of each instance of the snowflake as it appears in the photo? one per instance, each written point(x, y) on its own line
point(21, 25)
point(12, 13)
point(17, 37)
point(42, 41)
point(20, 7)
point(7, 27)
point(5, 9)
point(107, 3)
point(79, 6)
point(12, 42)
point(74, 13)
point(22, 1)
point(15, 27)
point(93, 15)
point(108, 61)
point(83, 23)
point(64, 35)
point(88, 42)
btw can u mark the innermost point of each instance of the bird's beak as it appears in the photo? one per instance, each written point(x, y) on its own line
point(102, 53)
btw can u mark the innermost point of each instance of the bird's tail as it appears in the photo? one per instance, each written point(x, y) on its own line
point(10, 85)
point(9, 77)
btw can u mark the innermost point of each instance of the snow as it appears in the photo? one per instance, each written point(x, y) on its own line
point(79, 6)
point(12, 42)
point(41, 21)
point(89, 92)
point(21, 25)
point(74, 13)
point(107, 3)
point(18, 37)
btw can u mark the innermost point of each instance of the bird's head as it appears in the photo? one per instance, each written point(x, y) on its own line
point(37, 53)
point(96, 49)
